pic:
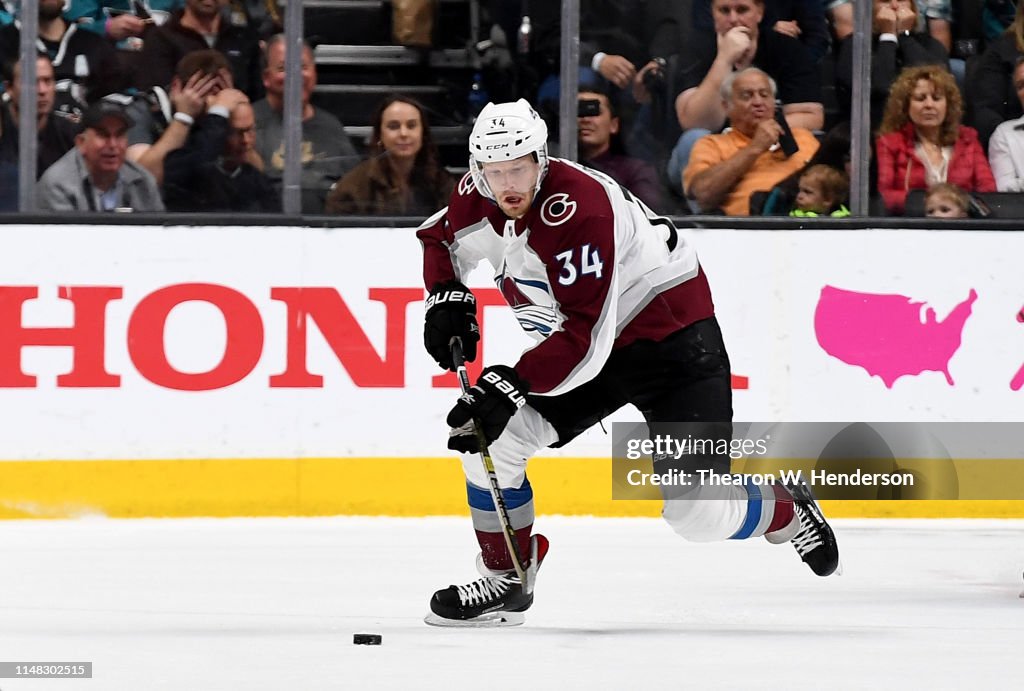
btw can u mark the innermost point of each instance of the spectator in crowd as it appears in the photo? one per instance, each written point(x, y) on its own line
point(81, 60)
point(56, 135)
point(611, 43)
point(94, 176)
point(266, 17)
point(326, 151)
point(199, 26)
point(624, 45)
point(922, 142)
point(725, 169)
point(834, 152)
point(801, 19)
point(737, 43)
point(123, 23)
point(600, 146)
point(943, 200)
point(936, 18)
point(990, 90)
point(403, 175)
point(978, 23)
point(664, 25)
point(8, 11)
point(996, 17)
point(163, 119)
point(840, 17)
point(822, 191)
point(1006, 147)
point(896, 43)
point(218, 169)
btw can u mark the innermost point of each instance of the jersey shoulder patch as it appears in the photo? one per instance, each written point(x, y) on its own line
point(557, 209)
point(466, 186)
point(572, 195)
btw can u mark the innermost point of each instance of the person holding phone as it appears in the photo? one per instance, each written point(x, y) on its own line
point(737, 42)
point(601, 148)
point(725, 169)
point(121, 21)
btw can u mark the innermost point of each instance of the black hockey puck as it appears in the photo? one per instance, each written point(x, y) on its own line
point(367, 639)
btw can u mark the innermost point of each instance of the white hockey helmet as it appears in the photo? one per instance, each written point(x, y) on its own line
point(505, 132)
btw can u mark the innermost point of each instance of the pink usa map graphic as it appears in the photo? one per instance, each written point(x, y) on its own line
point(886, 335)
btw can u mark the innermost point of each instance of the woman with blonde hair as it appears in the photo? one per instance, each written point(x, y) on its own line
point(921, 141)
point(403, 175)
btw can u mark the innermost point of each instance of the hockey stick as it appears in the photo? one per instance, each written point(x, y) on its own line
point(527, 575)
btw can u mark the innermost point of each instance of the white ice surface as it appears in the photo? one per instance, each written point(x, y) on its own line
point(620, 604)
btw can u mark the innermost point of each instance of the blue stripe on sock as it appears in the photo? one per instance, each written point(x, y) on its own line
point(480, 498)
point(753, 512)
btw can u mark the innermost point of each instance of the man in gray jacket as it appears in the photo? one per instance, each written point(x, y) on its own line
point(94, 176)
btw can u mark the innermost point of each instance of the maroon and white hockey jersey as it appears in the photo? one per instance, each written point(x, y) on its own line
point(588, 269)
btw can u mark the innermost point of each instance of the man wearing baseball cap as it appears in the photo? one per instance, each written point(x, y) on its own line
point(94, 176)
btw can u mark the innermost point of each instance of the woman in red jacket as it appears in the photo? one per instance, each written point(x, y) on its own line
point(921, 141)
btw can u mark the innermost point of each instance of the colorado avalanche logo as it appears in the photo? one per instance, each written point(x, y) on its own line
point(531, 312)
point(557, 209)
point(466, 185)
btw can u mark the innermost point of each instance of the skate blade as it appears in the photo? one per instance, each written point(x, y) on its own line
point(491, 620)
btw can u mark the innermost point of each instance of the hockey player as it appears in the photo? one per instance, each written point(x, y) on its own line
point(621, 312)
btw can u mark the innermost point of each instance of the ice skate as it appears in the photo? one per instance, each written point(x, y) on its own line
point(497, 599)
point(809, 532)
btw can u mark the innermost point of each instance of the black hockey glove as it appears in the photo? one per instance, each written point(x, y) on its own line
point(451, 311)
point(497, 395)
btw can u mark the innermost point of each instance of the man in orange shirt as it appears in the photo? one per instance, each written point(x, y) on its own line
point(724, 169)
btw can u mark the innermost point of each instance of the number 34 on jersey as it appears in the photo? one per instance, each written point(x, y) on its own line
point(586, 259)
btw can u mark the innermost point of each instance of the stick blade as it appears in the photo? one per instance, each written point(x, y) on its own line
point(531, 570)
point(492, 620)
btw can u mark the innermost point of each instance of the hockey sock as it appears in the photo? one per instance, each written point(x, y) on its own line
point(783, 509)
point(769, 508)
point(495, 552)
point(519, 502)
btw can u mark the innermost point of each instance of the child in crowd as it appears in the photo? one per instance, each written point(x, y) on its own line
point(944, 200)
point(821, 192)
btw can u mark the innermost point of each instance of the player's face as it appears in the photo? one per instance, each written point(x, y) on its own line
point(941, 206)
point(927, 107)
point(809, 197)
point(273, 75)
point(401, 130)
point(512, 183)
point(732, 13)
